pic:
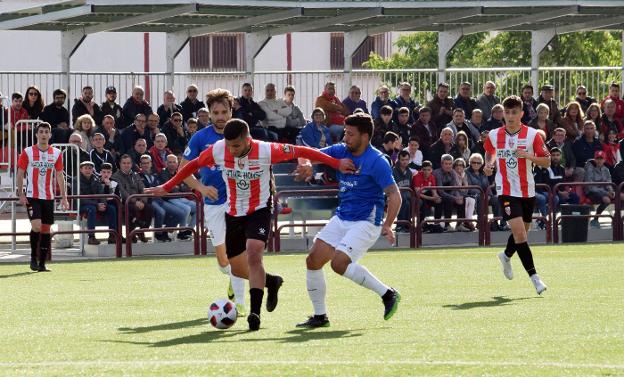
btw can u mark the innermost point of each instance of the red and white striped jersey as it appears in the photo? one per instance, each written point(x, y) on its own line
point(40, 167)
point(514, 176)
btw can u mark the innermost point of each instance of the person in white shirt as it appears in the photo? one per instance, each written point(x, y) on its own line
point(277, 110)
point(416, 155)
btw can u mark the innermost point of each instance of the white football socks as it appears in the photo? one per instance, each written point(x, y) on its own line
point(315, 281)
point(361, 276)
point(238, 286)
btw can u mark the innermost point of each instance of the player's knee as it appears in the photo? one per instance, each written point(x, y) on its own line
point(312, 262)
point(254, 258)
point(339, 266)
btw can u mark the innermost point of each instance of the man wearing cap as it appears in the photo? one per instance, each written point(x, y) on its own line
point(112, 108)
point(547, 97)
point(90, 185)
point(596, 171)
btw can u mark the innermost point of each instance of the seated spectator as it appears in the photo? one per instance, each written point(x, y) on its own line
point(191, 128)
point(203, 117)
point(405, 100)
point(100, 155)
point(153, 123)
point(556, 174)
point(189, 206)
point(541, 176)
point(461, 149)
point(451, 199)
point(139, 149)
point(402, 126)
point(112, 108)
point(382, 125)
point(295, 121)
point(611, 148)
point(315, 134)
point(583, 99)
point(614, 95)
point(382, 99)
point(441, 106)
point(72, 158)
point(135, 132)
point(586, 145)
point(159, 152)
point(476, 119)
point(594, 114)
point(427, 198)
point(609, 122)
point(191, 105)
point(572, 120)
point(354, 100)
point(90, 185)
point(335, 111)
point(479, 146)
point(14, 114)
point(134, 106)
point(496, 119)
point(416, 155)
point(542, 122)
point(464, 99)
point(176, 135)
point(113, 142)
point(110, 187)
point(33, 103)
point(476, 177)
point(459, 166)
point(488, 99)
point(168, 108)
point(130, 183)
point(529, 104)
point(596, 171)
point(618, 174)
point(390, 147)
point(249, 110)
point(459, 124)
point(568, 160)
point(85, 126)
point(547, 97)
point(57, 115)
point(424, 128)
point(276, 111)
point(403, 178)
point(443, 146)
point(86, 105)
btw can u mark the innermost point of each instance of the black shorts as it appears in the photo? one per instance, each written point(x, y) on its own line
point(239, 229)
point(513, 207)
point(41, 209)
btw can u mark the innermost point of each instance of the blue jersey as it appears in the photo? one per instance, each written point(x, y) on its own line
point(203, 139)
point(362, 193)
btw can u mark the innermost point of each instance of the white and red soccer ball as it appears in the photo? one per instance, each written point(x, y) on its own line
point(222, 314)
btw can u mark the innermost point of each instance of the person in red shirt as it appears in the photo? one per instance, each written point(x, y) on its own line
point(335, 111)
point(614, 95)
point(428, 198)
point(611, 147)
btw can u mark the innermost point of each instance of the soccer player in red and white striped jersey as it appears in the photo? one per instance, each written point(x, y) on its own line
point(42, 165)
point(513, 149)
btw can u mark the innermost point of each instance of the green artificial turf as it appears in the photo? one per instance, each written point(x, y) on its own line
point(458, 316)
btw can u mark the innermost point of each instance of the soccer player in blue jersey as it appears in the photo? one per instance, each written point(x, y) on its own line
point(358, 221)
point(219, 102)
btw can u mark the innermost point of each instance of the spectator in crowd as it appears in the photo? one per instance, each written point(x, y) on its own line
point(427, 198)
point(475, 177)
point(90, 185)
point(100, 155)
point(529, 104)
point(441, 106)
point(113, 143)
point(542, 121)
point(130, 183)
point(168, 107)
point(403, 126)
point(354, 100)
point(109, 186)
point(488, 99)
point(203, 118)
point(458, 123)
point(191, 128)
point(136, 105)
point(87, 105)
point(405, 100)
point(276, 111)
point(137, 131)
point(424, 128)
point(382, 99)
point(416, 155)
point(459, 166)
point(14, 114)
point(496, 119)
point(295, 120)
point(541, 176)
point(611, 148)
point(583, 99)
point(112, 108)
point(443, 146)
point(72, 161)
point(57, 115)
point(614, 95)
point(316, 134)
point(153, 123)
point(452, 199)
point(556, 175)
point(596, 171)
point(403, 177)
point(390, 147)
point(335, 111)
point(464, 99)
point(618, 175)
point(189, 206)
point(461, 149)
point(249, 110)
point(139, 149)
point(191, 104)
point(176, 135)
point(382, 125)
point(586, 145)
point(164, 212)
point(479, 146)
point(572, 120)
point(33, 103)
point(594, 114)
point(159, 152)
point(85, 126)
point(567, 160)
point(476, 119)
point(547, 97)
point(609, 122)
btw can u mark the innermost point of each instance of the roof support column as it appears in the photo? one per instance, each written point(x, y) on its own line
point(446, 41)
point(70, 41)
point(622, 75)
point(539, 40)
point(254, 43)
point(352, 41)
point(175, 44)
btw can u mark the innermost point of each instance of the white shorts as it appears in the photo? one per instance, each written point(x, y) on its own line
point(214, 220)
point(353, 238)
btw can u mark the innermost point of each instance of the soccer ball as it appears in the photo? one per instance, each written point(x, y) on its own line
point(222, 314)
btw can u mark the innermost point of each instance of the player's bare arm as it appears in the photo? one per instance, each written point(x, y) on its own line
point(20, 187)
point(394, 205)
point(488, 168)
point(195, 184)
point(60, 180)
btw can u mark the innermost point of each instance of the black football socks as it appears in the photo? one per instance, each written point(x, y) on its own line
point(511, 247)
point(526, 257)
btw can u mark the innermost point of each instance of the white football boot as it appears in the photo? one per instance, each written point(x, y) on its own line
point(539, 284)
point(506, 262)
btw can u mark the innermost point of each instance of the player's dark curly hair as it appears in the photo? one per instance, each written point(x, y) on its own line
point(362, 121)
point(219, 95)
point(235, 129)
point(512, 102)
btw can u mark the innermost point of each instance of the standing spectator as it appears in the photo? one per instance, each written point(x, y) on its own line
point(100, 155)
point(169, 106)
point(159, 153)
point(452, 198)
point(57, 115)
point(586, 145)
point(85, 126)
point(140, 149)
point(614, 95)
point(86, 105)
point(416, 155)
point(596, 171)
point(461, 148)
point(382, 125)
point(529, 104)
point(477, 119)
point(33, 103)
point(249, 110)
point(112, 108)
point(609, 122)
point(136, 105)
point(458, 123)
point(109, 187)
point(113, 142)
point(334, 110)
point(426, 131)
point(90, 185)
point(403, 177)
point(427, 198)
point(191, 104)
point(573, 120)
point(557, 174)
point(276, 111)
point(137, 131)
point(464, 101)
point(441, 106)
point(547, 97)
point(382, 99)
point(354, 100)
point(488, 99)
point(14, 114)
point(403, 126)
point(176, 135)
point(405, 100)
point(189, 206)
point(316, 134)
point(583, 99)
point(567, 159)
point(443, 146)
point(130, 183)
point(203, 118)
point(295, 121)
point(542, 121)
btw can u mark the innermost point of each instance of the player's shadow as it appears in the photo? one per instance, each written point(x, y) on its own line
point(305, 335)
point(165, 326)
point(495, 301)
point(204, 337)
point(18, 274)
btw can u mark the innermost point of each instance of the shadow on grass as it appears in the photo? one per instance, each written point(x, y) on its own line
point(165, 326)
point(204, 337)
point(495, 301)
point(18, 274)
point(305, 335)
